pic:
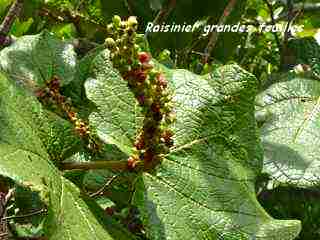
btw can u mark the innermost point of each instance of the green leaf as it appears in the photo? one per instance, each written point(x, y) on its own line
point(24, 159)
point(204, 188)
point(290, 133)
point(155, 5)
point(65, 31)
point(35, 59)
point(56, 135)
point(21, 27)
point(118, 116)
point(4, 5)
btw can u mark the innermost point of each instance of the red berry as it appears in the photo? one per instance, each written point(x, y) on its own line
point(167, 137)
point(54, 83)
point(60, 98)
point(167, 134)
point(138, 75)
point(132, 163)
point(141, 76)
point(109, 211)
point(139, 144)
point(155, 107)
point(162, 80)
point(156, 111)
point(72, 115)
point(144, 57)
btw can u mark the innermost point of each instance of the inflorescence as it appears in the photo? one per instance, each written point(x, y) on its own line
point(150, 88)
point(51, 94)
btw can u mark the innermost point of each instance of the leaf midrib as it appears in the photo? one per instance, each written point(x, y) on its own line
point(305, 121)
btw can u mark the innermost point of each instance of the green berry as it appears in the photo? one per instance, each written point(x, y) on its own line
point(132, 21)
point(118, 42)
point(110, 28)
point(110, 42)
point(136, 47)
point(170, 118)
point(123, 25)
point(116, 20)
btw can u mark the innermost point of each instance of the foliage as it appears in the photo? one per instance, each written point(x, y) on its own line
point(104, 136)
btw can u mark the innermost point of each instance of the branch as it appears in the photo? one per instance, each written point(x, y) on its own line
point(273, 22)
point(9, 196)
point(13, 12)
point(4, 229)
point(309, 7)
point(305, 7)
point(289, 19)
point(291, 16)
point(111, 165)
point(300, 7)
point(130, 7)
point(41, 211)
point(68, 17)
point(105, 186)
point(214, 35)
point(163, 13)
point(7, 22)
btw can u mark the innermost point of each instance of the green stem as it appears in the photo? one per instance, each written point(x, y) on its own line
point(112, 165)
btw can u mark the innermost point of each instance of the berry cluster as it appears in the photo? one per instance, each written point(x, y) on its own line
point(150, 89)
point(52, 94)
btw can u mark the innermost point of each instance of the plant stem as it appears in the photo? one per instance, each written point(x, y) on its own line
point(214, 35)
point(105, 186)
point(112, 165)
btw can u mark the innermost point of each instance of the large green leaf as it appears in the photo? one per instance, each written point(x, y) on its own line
point(24, 159)
point(118, 116)
point(290, 133)
point(35, 59)
point(204, 188)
